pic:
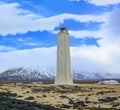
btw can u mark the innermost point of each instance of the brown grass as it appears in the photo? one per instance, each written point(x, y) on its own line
point(67, 97)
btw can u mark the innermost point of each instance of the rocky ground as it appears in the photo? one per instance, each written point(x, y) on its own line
point(51, 97)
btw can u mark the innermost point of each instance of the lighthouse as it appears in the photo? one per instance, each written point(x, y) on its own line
point(63, 70)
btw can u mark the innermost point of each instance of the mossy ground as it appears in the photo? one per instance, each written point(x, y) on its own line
point(76, 97)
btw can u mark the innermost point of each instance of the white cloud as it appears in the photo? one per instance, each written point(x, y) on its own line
point(105, 57)
point(83, 58)
point(96, 59)
point(51, 22)
point(103, 2)
point(25, 39)
point(34, 43)
point(112, 26)
point(38, 57)
point(6, 48)
point(83, 34)
point(109, 30)
point(16, 20)
point(29, 41)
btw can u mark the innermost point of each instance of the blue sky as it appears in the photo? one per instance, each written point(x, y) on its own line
point(28, 33)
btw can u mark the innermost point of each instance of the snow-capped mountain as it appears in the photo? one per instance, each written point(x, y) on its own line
point(22, 73)
point(95, 76)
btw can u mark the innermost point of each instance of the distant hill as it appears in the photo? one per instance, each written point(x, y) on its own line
point(22, 73)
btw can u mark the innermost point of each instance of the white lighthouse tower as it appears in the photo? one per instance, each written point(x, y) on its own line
point(63, 75)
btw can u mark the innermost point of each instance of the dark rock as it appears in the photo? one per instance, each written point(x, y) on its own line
point(108, 99)
point(116, 104)
point(62, 86)
point(79, 103)
point(15, 104)
point(47, 89)
point(65, 106)
point(27, 91)
point(101, 93)
point(35, 90)
point(70, 101)
point(44, 95)
point(87, 101)
point(19, 96)
point(113, 91)
point(76, 104)
point(89, 94)
point(29, 98)
point(8, 94)
point(63, 96)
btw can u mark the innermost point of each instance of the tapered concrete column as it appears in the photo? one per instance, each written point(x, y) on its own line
point(63, 73)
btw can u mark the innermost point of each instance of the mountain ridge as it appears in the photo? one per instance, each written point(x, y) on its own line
point(22, 73)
